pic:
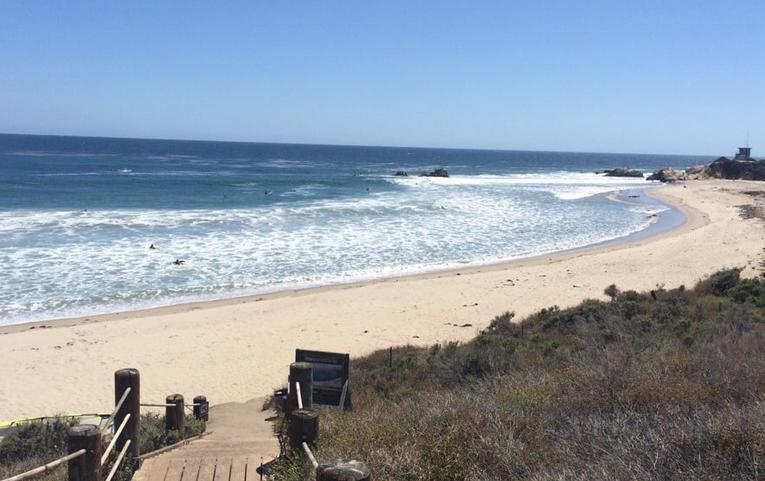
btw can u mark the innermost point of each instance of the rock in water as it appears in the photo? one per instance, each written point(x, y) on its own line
point(401, 173)
point(435, 173)
point(623, 172)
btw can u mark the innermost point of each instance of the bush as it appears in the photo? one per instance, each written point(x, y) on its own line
point(612, 292)
point(153, 436)
point(37, 443)
point(664, 385)
point(748, 291)
point(42, 438)
point(719, 282)
point(32, 445)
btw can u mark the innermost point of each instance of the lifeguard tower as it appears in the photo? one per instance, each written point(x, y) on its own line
point(744, 153)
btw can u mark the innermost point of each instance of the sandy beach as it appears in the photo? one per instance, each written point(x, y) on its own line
point(239, 349)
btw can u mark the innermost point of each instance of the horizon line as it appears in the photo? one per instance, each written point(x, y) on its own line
point(346, 145)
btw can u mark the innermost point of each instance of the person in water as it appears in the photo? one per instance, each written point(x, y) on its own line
point(152, 247)
point(179, 262)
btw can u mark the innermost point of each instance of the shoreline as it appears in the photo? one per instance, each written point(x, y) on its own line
point(235, 350)
point(642, 234)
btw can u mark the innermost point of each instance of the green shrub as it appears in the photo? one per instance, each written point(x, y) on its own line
point(495, 340)
point(34, 444)
point(748, 290)
point(152, 434)
point(45, 439)
point(612, 292)
point(719, 282)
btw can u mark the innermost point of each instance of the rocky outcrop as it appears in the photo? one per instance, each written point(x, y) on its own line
point(622, 172)
point(698, 172)
point(401, 173)
point(435, 173)
point(724, 168)
point(668, 174)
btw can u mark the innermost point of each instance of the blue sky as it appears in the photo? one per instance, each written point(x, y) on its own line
point(610, 76)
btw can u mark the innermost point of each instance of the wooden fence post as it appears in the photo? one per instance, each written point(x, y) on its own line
point(174, 416)
point(341, 470)
point(301, 372)
point(88, 466)
point(303, 427)
point(123, 379)
point(200, 408)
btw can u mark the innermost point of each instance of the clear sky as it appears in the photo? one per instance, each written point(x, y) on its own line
point(613, 76)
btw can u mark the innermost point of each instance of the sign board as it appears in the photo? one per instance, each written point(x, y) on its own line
point(330, 373)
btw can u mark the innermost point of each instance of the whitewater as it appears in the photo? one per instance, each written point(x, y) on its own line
point(78, 218)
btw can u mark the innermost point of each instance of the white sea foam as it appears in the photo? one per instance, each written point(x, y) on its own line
point(564, 185)
point(171, 157)
point(46, 153)
point(60, 263)
point(283, 163)
point(305, 190)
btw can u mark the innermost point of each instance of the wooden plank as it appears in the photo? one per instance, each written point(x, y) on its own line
point(174, 471)
point(156, 469)
point(222, 469)
point(151, 470)
point(206, 469)
point(191, 469)
point(238, 469)
point(171, 447)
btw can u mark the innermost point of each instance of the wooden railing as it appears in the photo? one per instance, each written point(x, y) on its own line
point(87, 438)
point(304, 444)
point(86, 460)
point(116, 436)
point(303, 427)
point(46, 467)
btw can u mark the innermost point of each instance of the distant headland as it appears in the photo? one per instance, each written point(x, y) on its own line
point(741, 167)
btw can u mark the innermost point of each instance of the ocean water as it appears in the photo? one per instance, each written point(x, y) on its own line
point(77, 216)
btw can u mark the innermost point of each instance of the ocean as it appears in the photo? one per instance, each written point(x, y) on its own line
point(78, 216)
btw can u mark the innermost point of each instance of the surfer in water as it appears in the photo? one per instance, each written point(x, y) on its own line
point(179, 262)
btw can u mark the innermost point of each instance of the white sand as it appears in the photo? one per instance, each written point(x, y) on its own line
point(235, 350)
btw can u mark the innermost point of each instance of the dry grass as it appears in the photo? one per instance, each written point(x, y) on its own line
point(665, 385)
point(36, 444)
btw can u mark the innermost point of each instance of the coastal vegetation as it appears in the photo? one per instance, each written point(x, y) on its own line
point(36, 443)
point(666, 384)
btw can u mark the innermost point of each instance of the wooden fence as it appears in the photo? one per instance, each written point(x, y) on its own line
point(303, 428)
point(87, 458)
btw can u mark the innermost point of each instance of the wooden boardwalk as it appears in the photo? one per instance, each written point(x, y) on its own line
point(199, 469)
point(241, 439)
